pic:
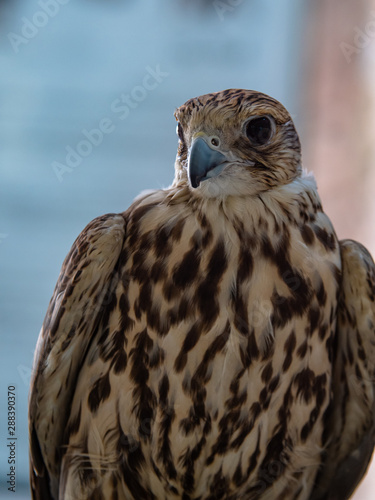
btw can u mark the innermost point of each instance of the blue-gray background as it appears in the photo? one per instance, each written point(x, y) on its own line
point(62, 68)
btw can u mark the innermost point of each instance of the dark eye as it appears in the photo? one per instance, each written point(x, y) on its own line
point(180, 132)
point(259, 130)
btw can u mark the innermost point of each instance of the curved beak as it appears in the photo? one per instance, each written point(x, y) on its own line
point(204, 162)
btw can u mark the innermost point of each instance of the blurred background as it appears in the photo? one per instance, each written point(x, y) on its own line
point(87, 95)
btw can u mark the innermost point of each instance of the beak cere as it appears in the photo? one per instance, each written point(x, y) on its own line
point(204, 162)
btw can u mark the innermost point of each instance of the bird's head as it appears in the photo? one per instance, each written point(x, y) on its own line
point(236, 142)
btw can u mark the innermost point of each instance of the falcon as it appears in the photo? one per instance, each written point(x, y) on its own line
point(215, 340)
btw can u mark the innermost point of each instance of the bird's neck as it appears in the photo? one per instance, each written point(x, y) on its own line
point(294, 203)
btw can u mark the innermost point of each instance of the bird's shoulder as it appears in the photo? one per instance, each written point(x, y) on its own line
point(65, 335)
point(350, 423)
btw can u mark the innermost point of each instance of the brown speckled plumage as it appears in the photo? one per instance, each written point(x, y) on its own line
point(211, 342)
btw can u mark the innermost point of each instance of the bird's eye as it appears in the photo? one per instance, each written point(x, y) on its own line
point(259, 130)
point(180, 132)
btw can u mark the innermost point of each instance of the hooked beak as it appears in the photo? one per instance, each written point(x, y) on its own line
point(204, 162)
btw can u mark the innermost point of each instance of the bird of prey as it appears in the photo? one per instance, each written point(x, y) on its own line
point(215, 340)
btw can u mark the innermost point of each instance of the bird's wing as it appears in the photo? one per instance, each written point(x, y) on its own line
point(78, 301)
point(351, 417)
